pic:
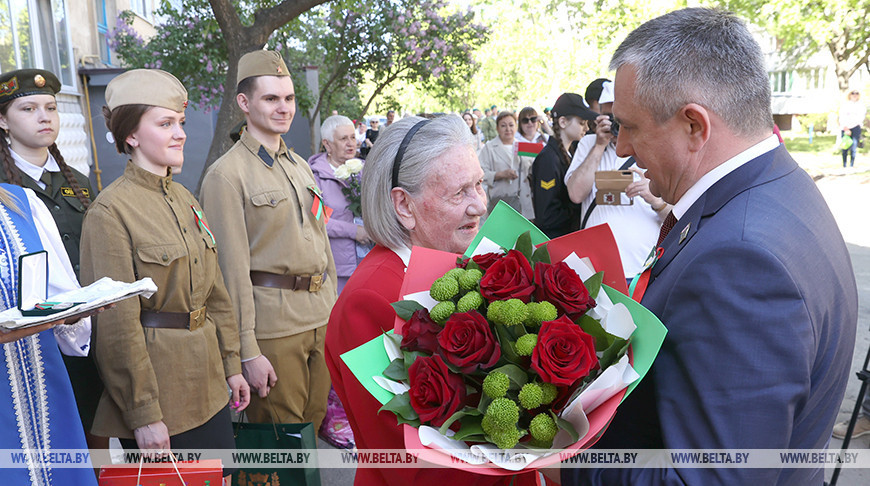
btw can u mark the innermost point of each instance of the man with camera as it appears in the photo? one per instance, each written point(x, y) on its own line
point(613, 190)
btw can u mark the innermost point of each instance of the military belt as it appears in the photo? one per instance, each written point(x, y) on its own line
point(311, 283)
point(173, 320)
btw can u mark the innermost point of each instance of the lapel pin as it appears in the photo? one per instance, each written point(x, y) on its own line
point(685, 232)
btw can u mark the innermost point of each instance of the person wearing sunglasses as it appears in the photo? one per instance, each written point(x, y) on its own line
point(506, 176)
point(529, 129)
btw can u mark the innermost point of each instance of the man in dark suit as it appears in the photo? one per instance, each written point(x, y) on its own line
point(754, 281)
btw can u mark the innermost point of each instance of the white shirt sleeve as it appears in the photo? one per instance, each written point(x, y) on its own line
point(584, 146)
point(74, 339)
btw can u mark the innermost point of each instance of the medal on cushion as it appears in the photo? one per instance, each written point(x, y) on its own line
point(319, 209)
point(200, 221)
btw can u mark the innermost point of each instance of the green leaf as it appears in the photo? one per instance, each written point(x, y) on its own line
point(515, 373)
point(590, 326)
point(506, 341)
point(524, 245)
point(464, 412)
point(541, 255)
point(406, 308)
point(396, 370)
point(411, 356)
point(401, 406)
point(613, 353)
point(593, 284)
point(566, 426)
point(395, 338)
point(484, 403)
point(471, 427)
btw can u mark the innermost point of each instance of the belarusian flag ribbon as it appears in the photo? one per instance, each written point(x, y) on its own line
point(319, 209)
point(527, 149)
point(200, 221)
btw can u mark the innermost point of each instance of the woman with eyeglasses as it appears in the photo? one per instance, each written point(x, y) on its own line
point(529, 129)
point(506, 176)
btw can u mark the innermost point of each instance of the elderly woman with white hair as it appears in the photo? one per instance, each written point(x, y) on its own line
point(422, 186)
point(339, 143)
point(330, 171)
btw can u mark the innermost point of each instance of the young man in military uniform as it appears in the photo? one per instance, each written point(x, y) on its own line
point(270, 223)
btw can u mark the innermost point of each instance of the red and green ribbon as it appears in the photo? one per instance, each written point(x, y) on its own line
point(200, 221)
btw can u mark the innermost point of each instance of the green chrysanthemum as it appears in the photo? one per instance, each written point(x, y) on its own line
point(526, 344)
point(444, 288)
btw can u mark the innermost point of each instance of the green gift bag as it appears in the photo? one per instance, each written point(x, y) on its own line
point(279, 438)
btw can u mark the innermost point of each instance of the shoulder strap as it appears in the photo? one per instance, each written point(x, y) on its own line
point(628, 163)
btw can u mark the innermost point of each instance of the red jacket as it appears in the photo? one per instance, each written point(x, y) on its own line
point(362, 313)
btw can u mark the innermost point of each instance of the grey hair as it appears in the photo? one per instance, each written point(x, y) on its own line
point(429, 143)
point(703, 56)
point(327, 130)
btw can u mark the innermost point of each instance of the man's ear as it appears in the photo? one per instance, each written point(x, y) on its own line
point(402, 203)
point(698, 125)
point(242, 100)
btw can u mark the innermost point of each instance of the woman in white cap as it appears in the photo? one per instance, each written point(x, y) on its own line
point(167, 360)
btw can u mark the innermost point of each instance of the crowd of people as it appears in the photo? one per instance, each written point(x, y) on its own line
point(283, 264)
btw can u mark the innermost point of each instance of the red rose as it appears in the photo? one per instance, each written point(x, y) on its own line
point(436, 393)
point(510, 277)
point(562, 287)
point(564, 353)
point(468, 343)
point(486, 260)
point(420, 333)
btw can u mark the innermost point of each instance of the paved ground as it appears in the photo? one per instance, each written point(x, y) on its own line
point(847, 192)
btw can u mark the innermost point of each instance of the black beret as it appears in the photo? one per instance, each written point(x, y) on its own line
point(26, 82)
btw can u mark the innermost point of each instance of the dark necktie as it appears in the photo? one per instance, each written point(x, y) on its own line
point(46, 179)
point(667, 226)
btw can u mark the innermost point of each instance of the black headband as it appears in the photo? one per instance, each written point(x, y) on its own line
point(402, 147)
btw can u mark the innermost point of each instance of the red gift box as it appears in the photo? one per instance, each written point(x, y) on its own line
point(208, 472)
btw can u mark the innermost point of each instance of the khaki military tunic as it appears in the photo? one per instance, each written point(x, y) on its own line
point(259, 204)
point(143, 225)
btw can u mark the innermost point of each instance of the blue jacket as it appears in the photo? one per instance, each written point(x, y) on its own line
point(757, 291)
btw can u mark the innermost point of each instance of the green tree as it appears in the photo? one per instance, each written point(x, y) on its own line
point(803, 28)
point(425, 42)
point(241, 27)
point(382, 42)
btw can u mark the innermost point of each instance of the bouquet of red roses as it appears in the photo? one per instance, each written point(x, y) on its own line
point(507, 348)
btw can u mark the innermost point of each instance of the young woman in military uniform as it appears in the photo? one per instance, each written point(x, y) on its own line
point(166, 361)
point(30, 158)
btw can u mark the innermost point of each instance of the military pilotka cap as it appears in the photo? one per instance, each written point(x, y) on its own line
point(146, 87)
point(261, 63)
point(26, 82)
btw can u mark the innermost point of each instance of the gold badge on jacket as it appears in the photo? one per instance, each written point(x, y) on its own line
point(547, 185)
point(69, 192)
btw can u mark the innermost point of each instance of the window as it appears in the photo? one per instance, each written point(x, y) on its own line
point(103, 32)
point(35, 33)
point(141, 8)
